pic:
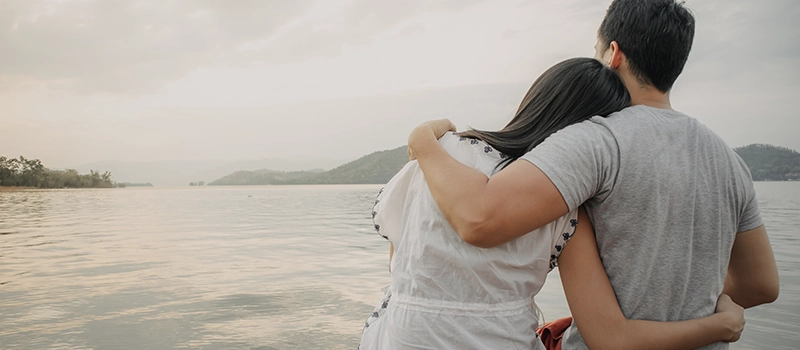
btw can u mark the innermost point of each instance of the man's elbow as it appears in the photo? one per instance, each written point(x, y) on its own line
point(769, 293)
point(767, 290)
point(764, 293)
point(477, 233)
point(477, 240)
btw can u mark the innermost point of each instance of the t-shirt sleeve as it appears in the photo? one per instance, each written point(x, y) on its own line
point(581, 160)
point(751, 217)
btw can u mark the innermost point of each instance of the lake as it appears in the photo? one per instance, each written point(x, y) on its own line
point(271, 267)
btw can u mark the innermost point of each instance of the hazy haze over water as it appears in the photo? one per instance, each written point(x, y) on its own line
point(89, 81)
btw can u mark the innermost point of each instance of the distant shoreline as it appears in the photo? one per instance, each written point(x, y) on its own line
point(15, 188)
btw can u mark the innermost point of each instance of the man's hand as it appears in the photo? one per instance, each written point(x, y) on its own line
point(734, 319)
point(437, 128)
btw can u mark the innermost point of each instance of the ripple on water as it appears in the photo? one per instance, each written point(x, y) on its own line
point(244, 268)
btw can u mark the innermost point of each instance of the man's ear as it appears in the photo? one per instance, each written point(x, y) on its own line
point(616, 55)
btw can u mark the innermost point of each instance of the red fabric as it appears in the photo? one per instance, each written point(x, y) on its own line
point(551, 332)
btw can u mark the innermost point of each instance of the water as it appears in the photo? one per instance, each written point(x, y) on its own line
point(777, 325)
point(271, 267)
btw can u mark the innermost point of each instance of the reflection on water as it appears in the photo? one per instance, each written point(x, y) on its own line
point(777, 325)
point(244, 268)
point(214, 268)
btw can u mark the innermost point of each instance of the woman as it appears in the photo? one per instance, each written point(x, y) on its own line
point(446, 294)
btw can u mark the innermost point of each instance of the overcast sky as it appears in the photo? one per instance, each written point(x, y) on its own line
point(84, 81)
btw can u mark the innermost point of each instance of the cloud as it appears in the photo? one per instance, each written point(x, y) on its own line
point(352, 25)
point(120, 46)
point(740, 39)
point(82, 81)
point(126, 46)
point(743, 71)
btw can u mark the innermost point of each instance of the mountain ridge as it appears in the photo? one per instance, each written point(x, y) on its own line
point(374, 168)
point(182, 172)
point(770, 163)
point(766, 163)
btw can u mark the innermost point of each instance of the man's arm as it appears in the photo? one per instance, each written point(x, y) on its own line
point(598, 316)
point(485, 212)
point(752, 272)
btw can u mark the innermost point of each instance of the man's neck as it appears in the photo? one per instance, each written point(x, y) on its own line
point(651, 97)
point(646, 95)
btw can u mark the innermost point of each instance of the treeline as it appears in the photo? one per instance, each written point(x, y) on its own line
point(24, 172)
point(771, 163)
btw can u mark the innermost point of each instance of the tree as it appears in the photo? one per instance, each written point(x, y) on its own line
point(32, 173)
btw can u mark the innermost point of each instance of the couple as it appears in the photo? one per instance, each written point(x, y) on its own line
point(651, 217)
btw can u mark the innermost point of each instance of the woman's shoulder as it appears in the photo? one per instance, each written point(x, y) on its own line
point(471, 152)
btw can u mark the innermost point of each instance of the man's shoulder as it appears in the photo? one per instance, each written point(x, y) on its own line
point(596, 127)
point(646, 124)
point(629, 117)
point(643, 116)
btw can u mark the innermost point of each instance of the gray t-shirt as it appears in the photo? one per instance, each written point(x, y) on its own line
point(666, 196)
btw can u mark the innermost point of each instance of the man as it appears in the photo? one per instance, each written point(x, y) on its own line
point(675, 213)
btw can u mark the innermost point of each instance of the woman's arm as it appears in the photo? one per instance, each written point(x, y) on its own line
point(598, 316)
point(391, 254)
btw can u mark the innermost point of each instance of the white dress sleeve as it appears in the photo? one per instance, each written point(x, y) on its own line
point(387, 213)
point(389, 209)
point(562, 230)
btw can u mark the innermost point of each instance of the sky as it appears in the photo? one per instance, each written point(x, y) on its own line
point(83, 81)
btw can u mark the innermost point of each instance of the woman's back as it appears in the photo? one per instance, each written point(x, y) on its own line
point(446, 293)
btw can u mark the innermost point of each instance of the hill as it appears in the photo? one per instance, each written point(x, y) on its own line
point(375, 168)
point(182, 172)
point(771, 163)
point(766, 163)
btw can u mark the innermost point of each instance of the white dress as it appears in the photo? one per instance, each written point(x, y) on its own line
point(445, 293)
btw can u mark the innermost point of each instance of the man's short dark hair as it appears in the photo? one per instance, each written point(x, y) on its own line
point(655, 36)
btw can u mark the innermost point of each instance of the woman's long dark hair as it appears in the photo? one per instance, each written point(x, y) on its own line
point(569, 92)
